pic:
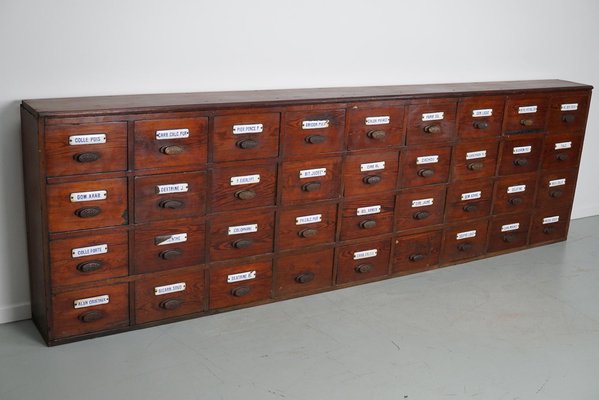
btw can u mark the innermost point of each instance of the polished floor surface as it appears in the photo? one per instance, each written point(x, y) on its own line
point(518, 326)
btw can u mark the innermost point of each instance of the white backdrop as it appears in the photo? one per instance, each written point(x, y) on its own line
point(66, 48)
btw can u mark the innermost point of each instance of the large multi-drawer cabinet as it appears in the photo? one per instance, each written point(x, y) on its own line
point(148, 209)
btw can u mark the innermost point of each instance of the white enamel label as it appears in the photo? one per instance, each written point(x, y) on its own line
point(427, 160)
point(484, 112)
point(563, 145)
point(96, 138)
point(242, 276)
point(308, 219)
point(175, 287)
point(88, 196)
point(557, 182)
point(569, 107)
point(239, 229)
point(471, 195)
point(173, 188)
point(465, 235)
point(368, 210)
point(522, 150)
point(170, 239)
point(312, 173)
point(510, 227)
point(516, 188)
point(435, 116)
point(315, 124)
point(527, 110)
point(89, 251)
point(91, 301)
point(245, 179)
point(358, 255)
point(551, 220)
point(372, 166)
point(422, 202)
point(382, 120)
point(172, 134)
point(247, 128)
point(476, 154)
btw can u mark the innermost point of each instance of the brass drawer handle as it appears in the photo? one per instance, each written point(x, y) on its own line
point(368, 224)
point(311, 186)
point(241, 291)
point(315, 139)
point(568, 118)
point(556, 194)
point(520, 162)
point(172, 150)
point(470, 207)
point(363, 268)
point(88, 157)
point(475, 166)
point(561, 157)
point(516, 201)
point(432, 129)
point(246, 194)
point(90, 316)
point(376, 135)
point(509, 238)
point(480, 125)
point(90, 266)
point(416, 257)
point(242, 243)
point(426, 172)
point(526, 122)
point(171, 204)
point(305, 277)
point(308, 232)
point(420, 215)
point(88, 212)
point(247, 144)
point(170, 304)
point(465, 247)
point(548, 230)
point(372, 179)
point(170, 254)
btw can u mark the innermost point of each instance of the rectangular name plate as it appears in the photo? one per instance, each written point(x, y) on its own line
point(368, 210)
point(312, 173)
point(88, 196)
point(551, 220)
point(435, 116)
point(172, 188)
point(94, 138)
point(372, 166)
point(245, 179)
point(91, 301)
point(476, 154)
point(89, 251)
point(510, 227)
point(465, 235)
point(358, 255)
point(308, 219)
point(320, 124)
point(557, 182)
point(427, 159)
point(175, 287)
point(242, 276)
point(170, 239)
point(527, 109)
point(172, 134)
point(563, 145)
point(471, 195)
point(247, 128)
point(240, 229)
point(382, 120)
point(516, 188)
point(484, 112)
point(569, 107)
point(422, 202)
point(522, 150)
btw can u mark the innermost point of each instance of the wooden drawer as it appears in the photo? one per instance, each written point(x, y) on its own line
point(88, 258)
point(480, 117)
point(241, 234)
point(165, 296)
point(178, 143)
point(90, 310)
point(310, 133)
point(556, 189)
point(468, 200)
point(306, 181)
point(245, 137)
point(472, 160)
point(520, 154)
point(363, 261)
point(304, 272)
point(306, 225)
point(243, 186)
point(370, 173)
point(550, 225)
point(238, 284)
point(416, 208)
point(431, 122)
point(561, 151)
point(169, 196)
point(424, 165)
point(414, 253)
point(508, 232)
point(89, 204)
point(463, 241)
point(85, 148)
point(367, 216)
point(374, 127)
point(525, 113)
point(162, 246)
point(568, 113)
point(514, 193)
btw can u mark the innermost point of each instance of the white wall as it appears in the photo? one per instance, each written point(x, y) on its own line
point(65, 48)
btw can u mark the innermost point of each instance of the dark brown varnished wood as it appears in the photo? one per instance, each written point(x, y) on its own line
point(367, 216)
point(414, 253)
point(420, 207)
point(353, 269)
point(306, 225)
point(299, 272)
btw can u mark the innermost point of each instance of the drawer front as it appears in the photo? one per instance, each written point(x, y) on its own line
point(93, 257)
point(84, 205)
point(414, 253)
point(468, 200)
point(370, 173)
point(90, 310)
point(167, 296)
point(169, 196)
point(520, 155)
point(308, 133)
point(561, 151)
point(550, 225)
point(305, 181)
point(508, 232)
point(514, 193)
point(307, 225)
point(363, 261)
point(480, 117)
point(367, 216)
point(431, 122)
point(424, 166)
point(241, 234)
point(568, 113)
point(162, 246)
point(85, 148)
point(472, 160)
point(464, 241)
point(375, 127)
point(177, 143)
point(416, 208)
point(556, 189)
point(298, 273)
point(526, 113)
point(243, 186)
point(240, 284)
point(245, 137)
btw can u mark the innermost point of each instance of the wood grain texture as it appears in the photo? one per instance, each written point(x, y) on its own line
point(354, 226)
point(348, 268)
point(301, 272)
point(362, 173)
point(415, 253)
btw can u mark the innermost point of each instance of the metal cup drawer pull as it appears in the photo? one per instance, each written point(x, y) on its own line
point(420, 215)
point(465, 246)
point(416, 257)
point(89, 266)
point(311, 186)
point(87, 157)
point(568, 118)
point(241, 291)
point(246, 194)
point(172, 150)
point(480, 124)
point(376, 135)
point(520, 162)
point(305, 277)
point(508, 238)
point(561, 156)
point(242, 243)
point(475, 166)
point(307, 233)
point(372, 179)
point(315, 139)
point(170, 304)
point(171, 204)
point(90, 316)
point(526, 122)
point(426, 172)
point(364, 268)
point(88, 212)
point(247, 144)
point(516, 201)
point(432, 129)
point(170, 254)
point(368, 224)
point(470, 207)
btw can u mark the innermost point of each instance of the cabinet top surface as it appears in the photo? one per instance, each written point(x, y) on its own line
point(75, 106)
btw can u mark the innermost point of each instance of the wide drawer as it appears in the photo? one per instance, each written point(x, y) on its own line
point(520, 154)
point(425, 165)
point(363, 261)
point(561, 151)
point(431, 122)
point(306, 181)
point(370, 173)
point(419, 207)
point(306, 225)
point(308, 133)
point(367, 216)
point(525, 113)
point(304, 272)
point(414, 253)
point(515, 193)
point(373, 127)
point(238, 284)
point(508, 232)
point(472, 160)
point(464, 241)
point(480, 116)
point(556, 188)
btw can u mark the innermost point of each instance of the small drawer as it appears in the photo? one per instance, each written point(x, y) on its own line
point(241, 234)
point(84, 205)
point(431, 122)
point(169, 196)
point(525, 113)
point(307, 225)
point(556, 189)
point(370, 173)
point(238, 284)
point(245, 137)
point(85, 148)
point(176, 143)
point(300, 273)
point(424, 166)
point(367, 216)
point(520, 154)
point(89, 258)
point(415, 253)
point(375, 127)
point(243, 186)
point(416, 208)
point(508, 232)
point(363, 261)
point(90, 310)
point(162, 246)
point(550, 225)
point(464, 241)
point(305, 181)
point(480, 117)
point(468, 200)
point(166, 296)
point(472, 160)
point(561, 151)
point(568, 113)
point(310, 133)
point(514, 193)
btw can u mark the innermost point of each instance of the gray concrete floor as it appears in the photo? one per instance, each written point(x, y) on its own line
point(518, 326)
